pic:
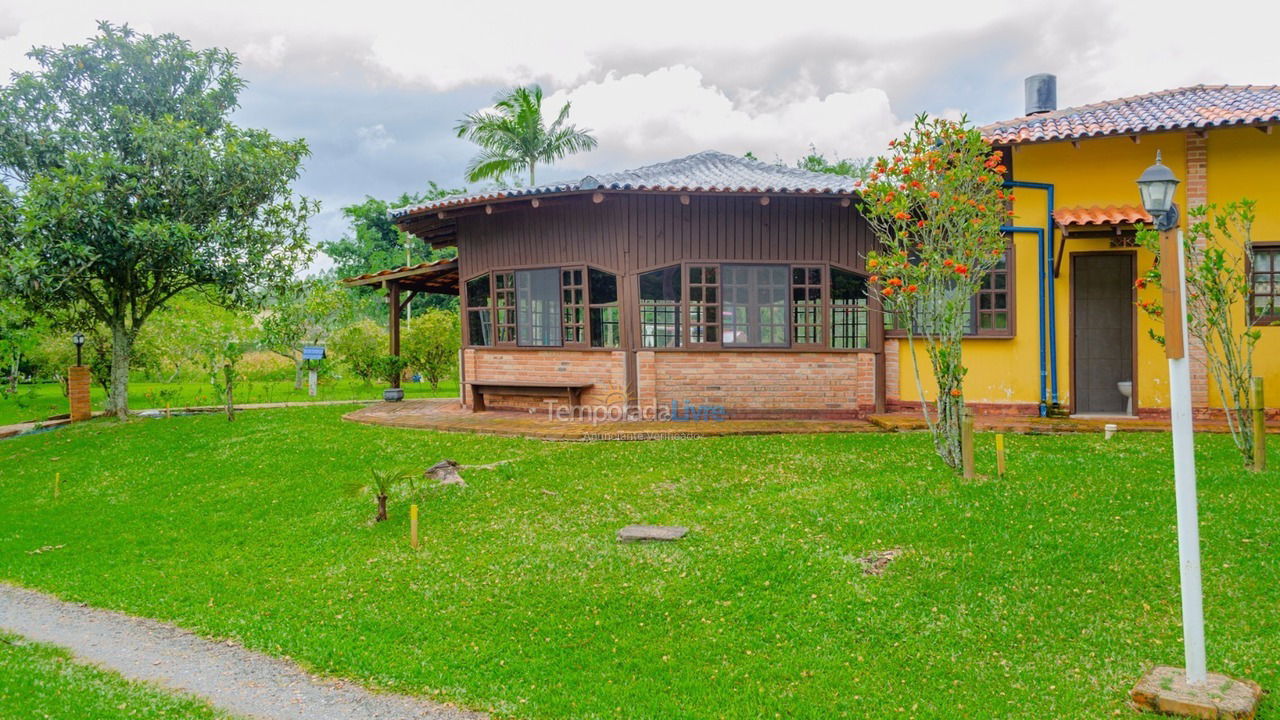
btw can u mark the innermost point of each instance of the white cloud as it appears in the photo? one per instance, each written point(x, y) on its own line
point(673, 111)
point(373, 138)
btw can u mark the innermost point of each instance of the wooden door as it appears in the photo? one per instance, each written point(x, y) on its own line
point(1102, 336)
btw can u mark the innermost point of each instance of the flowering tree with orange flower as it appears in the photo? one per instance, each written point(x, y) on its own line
point(936, 201)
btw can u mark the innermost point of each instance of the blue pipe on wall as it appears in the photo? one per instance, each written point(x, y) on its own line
point(1040, 271)
point(1048, 299)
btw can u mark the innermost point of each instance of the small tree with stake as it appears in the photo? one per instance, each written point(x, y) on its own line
point(1218, 253)
point(936, 203)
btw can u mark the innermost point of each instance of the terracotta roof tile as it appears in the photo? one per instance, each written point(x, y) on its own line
point(403, 268)
point(1199, 106)
point(1109, 215)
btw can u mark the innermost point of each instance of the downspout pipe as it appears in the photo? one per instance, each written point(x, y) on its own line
point(1040, 271)
point(1048, 281)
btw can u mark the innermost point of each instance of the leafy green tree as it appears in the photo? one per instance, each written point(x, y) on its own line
point(20, 333)
point(360, 348)
point(514, 137)
point(430, 345)
point(858, 169)
point(1218, 261)
point(131, 185)
point(304, 313)
point(375, 242)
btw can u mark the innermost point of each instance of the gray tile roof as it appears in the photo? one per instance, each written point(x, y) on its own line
point(1199, 106)
point(707, 171)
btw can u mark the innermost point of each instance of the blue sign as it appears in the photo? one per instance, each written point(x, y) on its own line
point(312, 352)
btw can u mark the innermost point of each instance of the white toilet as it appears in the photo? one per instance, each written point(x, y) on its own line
point(1126, 389)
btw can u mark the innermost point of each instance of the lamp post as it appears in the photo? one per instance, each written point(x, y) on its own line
point(1157, 186)
point(78, 339)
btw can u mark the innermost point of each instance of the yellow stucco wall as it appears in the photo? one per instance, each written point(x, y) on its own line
point(1103, 171)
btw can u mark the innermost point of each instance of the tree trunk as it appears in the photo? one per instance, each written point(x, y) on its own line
point(297, 371)
point(229, 375)
point(121, 352)
point(382, 509)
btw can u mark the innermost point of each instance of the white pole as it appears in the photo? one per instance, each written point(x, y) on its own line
point(1184, 476)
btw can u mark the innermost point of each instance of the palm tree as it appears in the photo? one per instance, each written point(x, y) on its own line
point(514, 137)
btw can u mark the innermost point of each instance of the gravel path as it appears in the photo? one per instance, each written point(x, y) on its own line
point(236, 680)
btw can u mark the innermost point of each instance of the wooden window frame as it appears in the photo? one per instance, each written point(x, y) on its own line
point(753, 288)
point(559, 316)
point(582, 325)
point(975, 325)
point(701, 287)
point(592, 304)
point(1273, 317)
point(468, 309)
point(871, 307)
point(677, 306)
point(823, 325)
point(509, 293)
point(1012, 304)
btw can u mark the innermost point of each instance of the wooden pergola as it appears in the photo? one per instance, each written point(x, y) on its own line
point(439, 276)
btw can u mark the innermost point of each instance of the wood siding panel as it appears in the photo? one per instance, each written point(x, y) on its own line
point(659, 231)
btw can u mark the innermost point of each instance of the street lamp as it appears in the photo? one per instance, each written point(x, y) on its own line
point(78, 339)
point(1157, 186)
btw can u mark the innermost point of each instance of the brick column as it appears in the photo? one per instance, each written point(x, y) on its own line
point(646, 380)
point(892, 372)
point(468, 374)
point(78, 382)
point(1197, 188)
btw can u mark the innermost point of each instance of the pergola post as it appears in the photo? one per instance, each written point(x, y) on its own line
point(393, 309)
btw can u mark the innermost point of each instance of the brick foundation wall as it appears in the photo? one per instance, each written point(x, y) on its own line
point(605, 370)
point(78, 384)
point(760, 384)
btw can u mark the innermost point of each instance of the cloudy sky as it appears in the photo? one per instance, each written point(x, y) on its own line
point(376, 87)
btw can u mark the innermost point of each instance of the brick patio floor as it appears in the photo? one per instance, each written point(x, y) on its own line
point(449, 416)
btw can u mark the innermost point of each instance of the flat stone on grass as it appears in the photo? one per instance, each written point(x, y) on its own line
point(1164, 689)
point(651, 533)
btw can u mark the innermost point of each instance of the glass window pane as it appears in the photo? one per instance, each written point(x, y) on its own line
point(538, 307)
point(661, 285)
point(481, 327)
point(603, 286)
point(478, 291)
point(604, 327)
point(756, 309)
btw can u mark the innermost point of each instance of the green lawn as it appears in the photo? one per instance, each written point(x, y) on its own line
point(44, 400)
point(1041, 596)
point(39, 681)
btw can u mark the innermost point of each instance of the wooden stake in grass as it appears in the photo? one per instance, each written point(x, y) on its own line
point(1000, 455)
point(57, 485)
point(966, 444)
point(413, 526)
point(1259, 427)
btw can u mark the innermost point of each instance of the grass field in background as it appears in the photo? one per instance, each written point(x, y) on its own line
point(1043, 595)
point(43, 400)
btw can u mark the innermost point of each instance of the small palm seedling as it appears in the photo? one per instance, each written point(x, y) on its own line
point(383, 481)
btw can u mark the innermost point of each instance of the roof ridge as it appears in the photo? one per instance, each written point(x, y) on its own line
point(1127, 99)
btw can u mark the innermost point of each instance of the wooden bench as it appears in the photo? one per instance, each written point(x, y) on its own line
point(571, 391)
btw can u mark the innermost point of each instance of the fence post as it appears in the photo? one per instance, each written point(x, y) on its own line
point(1259, 427)
point(1000, 455)
point(966, 443)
